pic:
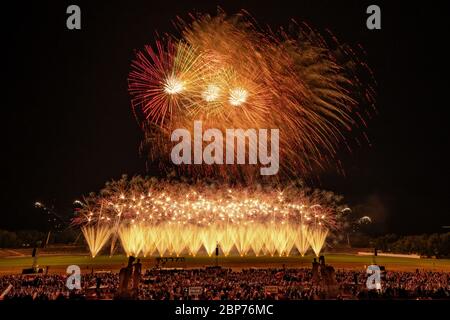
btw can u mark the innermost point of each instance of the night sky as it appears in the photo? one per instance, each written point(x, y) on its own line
point(67, 126)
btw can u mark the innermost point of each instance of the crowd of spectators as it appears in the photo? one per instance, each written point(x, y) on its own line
point(226, 284)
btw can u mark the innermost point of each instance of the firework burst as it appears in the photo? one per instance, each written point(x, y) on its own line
point(163, 81)
point(229, 73)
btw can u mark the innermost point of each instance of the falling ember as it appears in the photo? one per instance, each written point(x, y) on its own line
point(238, 96)
point(316, 238)
point(301, 240)
point(186, 218)
point(96, 237)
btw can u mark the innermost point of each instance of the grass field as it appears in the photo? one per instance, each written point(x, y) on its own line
point(58, 263)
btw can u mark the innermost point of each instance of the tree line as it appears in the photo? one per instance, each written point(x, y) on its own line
point(435, 244)
point(32, 238)
point(429, 245)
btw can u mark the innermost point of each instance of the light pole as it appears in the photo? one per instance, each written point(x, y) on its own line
point(55, 220)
